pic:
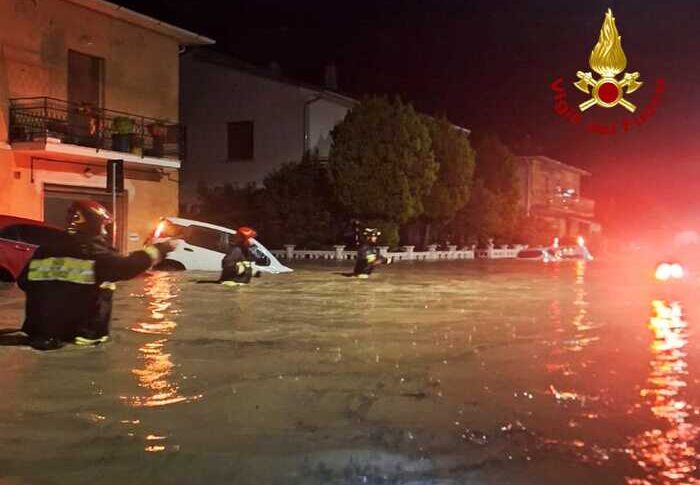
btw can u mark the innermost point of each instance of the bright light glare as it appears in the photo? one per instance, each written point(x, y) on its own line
point(580, 241)
point(555, 244)
point(667, 271)
point(159, 230)
point(677, 271)
point(663, 272)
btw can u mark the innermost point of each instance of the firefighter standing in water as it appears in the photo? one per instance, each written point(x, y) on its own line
point(69, 282)
point(237, 265)
point(368, 254)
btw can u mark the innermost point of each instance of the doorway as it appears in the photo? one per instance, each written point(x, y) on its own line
point(85, 95)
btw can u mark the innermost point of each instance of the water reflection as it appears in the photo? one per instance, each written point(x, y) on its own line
point(667, 456)
point(155, 371)
point(574, 337)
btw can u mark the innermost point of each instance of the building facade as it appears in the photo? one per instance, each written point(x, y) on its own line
point(550, 190)
point(244, 122)
point(83, 82)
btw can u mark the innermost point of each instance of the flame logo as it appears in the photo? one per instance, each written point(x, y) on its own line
point(607, 58)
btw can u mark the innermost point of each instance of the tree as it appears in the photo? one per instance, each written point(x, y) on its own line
point(382, 164)
point(492, 211)
point(456, 159)
point(298, 204)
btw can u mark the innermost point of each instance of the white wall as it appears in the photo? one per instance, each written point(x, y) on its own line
point(323, 115)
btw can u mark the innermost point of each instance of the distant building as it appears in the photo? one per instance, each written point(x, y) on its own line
point(83, 82)
point(551, 190)
point(243, 122)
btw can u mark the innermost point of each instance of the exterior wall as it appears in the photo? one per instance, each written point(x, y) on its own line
point(545, 178)
point(214, 93)
point(148, 202)
point(141, 76)
point(141, 66)
point(322, 116)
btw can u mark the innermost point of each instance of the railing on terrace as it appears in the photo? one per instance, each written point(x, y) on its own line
point(580, 206)
point(339, 253)
point(44, 118)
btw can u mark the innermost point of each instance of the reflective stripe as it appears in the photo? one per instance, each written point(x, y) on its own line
point(90, 341)
point(371, 258)
point(71, 270)
point(153, 253)
point(241, 266)
point(108, 285)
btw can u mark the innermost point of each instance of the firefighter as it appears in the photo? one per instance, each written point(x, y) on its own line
point(237, 265)
point(69, 282)
point(368, 255)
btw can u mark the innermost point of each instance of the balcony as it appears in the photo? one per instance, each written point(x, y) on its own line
point(578, 206)
point(57, 126)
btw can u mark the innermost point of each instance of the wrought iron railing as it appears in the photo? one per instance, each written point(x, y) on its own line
point(42, 118)
point(576, 205)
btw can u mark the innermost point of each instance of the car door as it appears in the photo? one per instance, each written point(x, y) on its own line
point(205, 246)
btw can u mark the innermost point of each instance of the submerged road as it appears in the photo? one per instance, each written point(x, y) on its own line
point(446, 373)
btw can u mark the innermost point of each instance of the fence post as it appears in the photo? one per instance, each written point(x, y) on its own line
point(290, 250)
point(409, 251)
point(339, 251)
point(432, 251)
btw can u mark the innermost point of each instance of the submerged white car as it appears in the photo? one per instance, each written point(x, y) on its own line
point(201, 246)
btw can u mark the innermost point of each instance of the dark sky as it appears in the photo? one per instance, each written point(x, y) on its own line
point(488, 65)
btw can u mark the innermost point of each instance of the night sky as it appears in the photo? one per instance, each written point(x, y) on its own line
point(488, 66)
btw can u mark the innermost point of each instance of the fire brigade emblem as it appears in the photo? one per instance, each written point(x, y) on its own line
point(608, 60)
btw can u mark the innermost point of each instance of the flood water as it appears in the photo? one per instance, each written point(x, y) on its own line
point(428, 373)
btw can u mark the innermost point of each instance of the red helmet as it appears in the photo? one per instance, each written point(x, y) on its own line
point(89, 218)
point(244, 233)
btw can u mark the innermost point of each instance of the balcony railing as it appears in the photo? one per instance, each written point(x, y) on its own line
point(575, 206)
point(42, 118)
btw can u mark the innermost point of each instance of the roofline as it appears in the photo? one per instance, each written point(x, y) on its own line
point(185, 37)
point(546, 159)
point(226, 60)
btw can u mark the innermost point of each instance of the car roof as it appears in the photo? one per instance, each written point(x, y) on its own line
point(189, 222)
point(6, 220)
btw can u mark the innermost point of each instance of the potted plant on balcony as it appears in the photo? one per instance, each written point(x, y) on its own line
point(158, 131)
point(122, 129)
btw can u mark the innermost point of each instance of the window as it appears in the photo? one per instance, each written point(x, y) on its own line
point(240, 140)
point(206, 238)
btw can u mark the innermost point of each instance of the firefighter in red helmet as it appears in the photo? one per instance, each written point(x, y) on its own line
point(69, 282)
point(237, 265)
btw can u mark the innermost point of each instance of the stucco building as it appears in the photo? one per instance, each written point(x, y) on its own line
point(83, 82)
point(243, 122)
point(551, 190)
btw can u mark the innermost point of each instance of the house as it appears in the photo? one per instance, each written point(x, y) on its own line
point(550, 190)
point(243, 122)
point(83, 82)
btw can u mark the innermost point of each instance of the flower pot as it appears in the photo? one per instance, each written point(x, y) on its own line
point(121, 142)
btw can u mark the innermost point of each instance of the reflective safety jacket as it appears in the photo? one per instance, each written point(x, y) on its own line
point(237, 265)
point(69, 286)
point(368, 255)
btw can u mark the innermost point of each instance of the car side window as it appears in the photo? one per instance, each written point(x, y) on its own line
point(205, 238)
point(258, 254)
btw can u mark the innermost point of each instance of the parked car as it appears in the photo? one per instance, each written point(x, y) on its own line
point(538, 254)
point(19, 238)
point(202, 246)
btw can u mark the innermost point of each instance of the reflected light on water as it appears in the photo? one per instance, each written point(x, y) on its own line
point(155, 372)
point(666, 456)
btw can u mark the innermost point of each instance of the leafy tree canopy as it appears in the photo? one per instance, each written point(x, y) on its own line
point(381, 161)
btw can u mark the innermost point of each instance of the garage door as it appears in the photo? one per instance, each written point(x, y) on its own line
point(58, 198)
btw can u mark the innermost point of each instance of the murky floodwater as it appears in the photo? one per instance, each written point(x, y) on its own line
point(484, 373)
